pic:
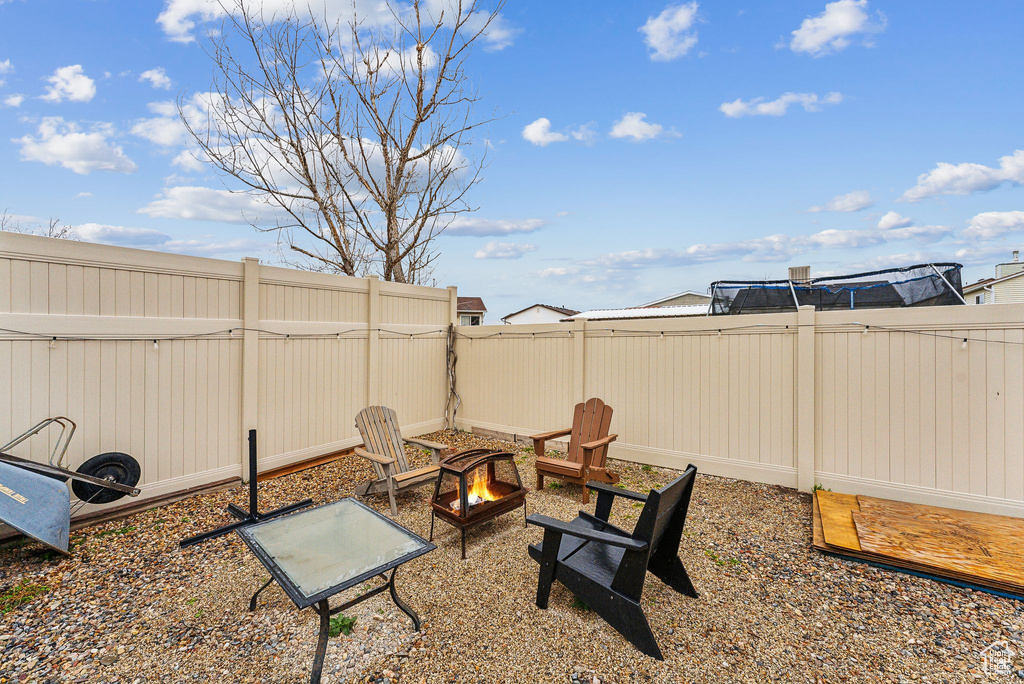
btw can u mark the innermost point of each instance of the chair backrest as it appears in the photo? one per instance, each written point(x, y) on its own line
point(378, 426)
point(590, 421)
point(661, 521)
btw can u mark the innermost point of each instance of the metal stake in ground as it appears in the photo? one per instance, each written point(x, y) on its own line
point(246, 517)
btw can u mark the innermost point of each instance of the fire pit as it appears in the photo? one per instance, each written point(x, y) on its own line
point(476, 485)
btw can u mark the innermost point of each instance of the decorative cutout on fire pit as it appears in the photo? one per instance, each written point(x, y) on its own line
point(476, 485)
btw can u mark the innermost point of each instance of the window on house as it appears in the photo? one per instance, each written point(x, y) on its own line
point(979, 299)
point(470, 319)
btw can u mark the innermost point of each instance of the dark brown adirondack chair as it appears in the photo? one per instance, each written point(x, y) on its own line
point(384, 447)
point(588, 448)
point(605, 567)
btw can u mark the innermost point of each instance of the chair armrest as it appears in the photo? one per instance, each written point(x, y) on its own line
point(426, 444)
point(552, 524)
point(544, 436)
point(598, 443)
point(615, 491)
point(376, 458)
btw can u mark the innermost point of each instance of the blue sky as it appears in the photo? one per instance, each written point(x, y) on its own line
point(641, 148)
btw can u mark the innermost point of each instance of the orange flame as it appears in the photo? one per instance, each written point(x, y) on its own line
point(478, 490)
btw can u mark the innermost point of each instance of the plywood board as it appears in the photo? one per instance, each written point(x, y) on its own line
point(937, 547)
point(837, 521)
point(1000, 532)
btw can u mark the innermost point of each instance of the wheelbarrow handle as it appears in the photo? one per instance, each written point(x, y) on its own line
point(62, 472)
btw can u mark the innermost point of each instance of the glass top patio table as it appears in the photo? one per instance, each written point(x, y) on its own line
point(318, 552)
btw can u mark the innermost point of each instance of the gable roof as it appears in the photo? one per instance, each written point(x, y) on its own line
point(985, 282)
point(557, 309)
point(678, 294)
point(642, 312)
point(471, 304)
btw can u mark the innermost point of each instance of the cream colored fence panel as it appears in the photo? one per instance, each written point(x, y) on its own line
point(682, 391)
point(150, 357)
point(905, 410)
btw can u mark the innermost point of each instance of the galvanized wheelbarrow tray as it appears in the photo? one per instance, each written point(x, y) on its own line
point(34, 496)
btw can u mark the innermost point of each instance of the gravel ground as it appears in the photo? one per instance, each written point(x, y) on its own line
point(127, 606)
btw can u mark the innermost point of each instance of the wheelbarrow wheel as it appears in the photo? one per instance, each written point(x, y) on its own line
point(115, 466)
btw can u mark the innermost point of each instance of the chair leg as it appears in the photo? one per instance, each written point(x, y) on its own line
point(629, 620)
point(391, 497)
point(540, 481)
point(673, 573)
point(586, 493)
point(548, 561)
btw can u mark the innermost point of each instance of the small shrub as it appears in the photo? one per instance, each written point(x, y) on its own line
point(646, 468)
point(528, 449)
point(341, 624)
point(818, 488)
point(555, 484)
point(19, 595)
point(580, 605)
point(121, 530)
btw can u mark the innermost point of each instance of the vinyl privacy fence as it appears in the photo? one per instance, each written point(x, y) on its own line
point(173, 358)
point(922, 405)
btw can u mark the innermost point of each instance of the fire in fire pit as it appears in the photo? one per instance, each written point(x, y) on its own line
point(476, 485)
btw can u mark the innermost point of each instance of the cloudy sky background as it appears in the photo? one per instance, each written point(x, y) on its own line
point(641, 148)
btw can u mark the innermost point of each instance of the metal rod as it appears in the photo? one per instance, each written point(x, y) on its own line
point(792, 291)
point(948, 284)
point(711, 304)
point(253, 476)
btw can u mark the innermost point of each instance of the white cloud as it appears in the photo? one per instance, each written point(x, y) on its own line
point(894, 220)
point(477, 227)
point(70, 83)
point(835, 28)
point(14, 100)
point(188, 161)
point(633, 126)
point(157, 78)
point(166, 130)
point(206, 204)
point(82, 195)
point(5, 68)
point(64, 143)
point(584, 134)
point(990, 225)
point(668, 35)
point(811, 102)
point(504, 250)
point(851, 201)
point(180, 19)
point(967, 178)
point(539, 133)
point(120, 235)
point(147, 238)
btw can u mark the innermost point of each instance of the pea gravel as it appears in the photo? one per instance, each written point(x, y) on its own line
point(128, 606)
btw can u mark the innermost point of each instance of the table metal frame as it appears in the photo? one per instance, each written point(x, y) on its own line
point(320, 601)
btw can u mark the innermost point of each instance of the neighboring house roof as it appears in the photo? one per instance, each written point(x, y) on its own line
point(641, 312)
point(473, 304)
point(557, 309)
point(656, 302)
point(986, 282)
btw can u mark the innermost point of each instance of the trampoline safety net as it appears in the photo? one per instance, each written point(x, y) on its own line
point(919, 285)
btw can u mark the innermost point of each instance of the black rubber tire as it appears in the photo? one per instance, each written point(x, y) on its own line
point(121, 467)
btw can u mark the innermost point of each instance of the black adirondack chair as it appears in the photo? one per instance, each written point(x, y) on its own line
point(605, 566)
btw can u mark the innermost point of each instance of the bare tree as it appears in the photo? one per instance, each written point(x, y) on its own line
point(53, 228)
point(354, 132)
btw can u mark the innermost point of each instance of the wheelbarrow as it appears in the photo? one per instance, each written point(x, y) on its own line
point(34, 497)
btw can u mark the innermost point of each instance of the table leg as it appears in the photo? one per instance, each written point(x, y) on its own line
point(401, 604)
point(324, 609)
point(252, 601)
